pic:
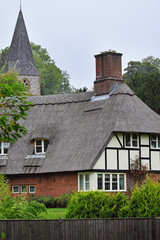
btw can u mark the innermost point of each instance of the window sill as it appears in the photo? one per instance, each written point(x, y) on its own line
point(35, 160)
point(3, 160)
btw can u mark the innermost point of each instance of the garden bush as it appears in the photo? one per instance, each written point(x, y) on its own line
point(53, 202)
point(95, 204)
point(49, 202)
point(144, 200)
point(20, 208)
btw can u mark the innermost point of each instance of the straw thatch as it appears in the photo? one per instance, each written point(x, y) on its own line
point(78, 127)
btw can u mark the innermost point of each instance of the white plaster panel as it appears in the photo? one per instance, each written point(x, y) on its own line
point(120, 136)
point(144, 139)
point(111, 159)
point(155, 160)
point(133, 156)
point(100, 164)
point(114, 143)
point(145, 163)
point(123, 159)
point(144, 151)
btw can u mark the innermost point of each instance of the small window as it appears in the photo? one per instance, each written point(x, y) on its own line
point(32, 189)
point(15, 189)
point(41, 145)
point(23, 189)
point(155, 141)
point(131, 140)
point(84, 182)
point(4, 146)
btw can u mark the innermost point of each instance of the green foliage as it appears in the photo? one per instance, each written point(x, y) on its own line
point(49, 202)
point(144, 201)
point(144, 79)
point(4, 188)
point(17, 208)
point(64, 199)
point(95, 204)
point(84, 89)
point(3, 57)
point(53, 80)
point(13, 107)
point(3, 235)
point(20, 208)
point(113, 205)
point(52, 202)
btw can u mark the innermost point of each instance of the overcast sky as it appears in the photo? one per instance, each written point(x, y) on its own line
point(73, 31)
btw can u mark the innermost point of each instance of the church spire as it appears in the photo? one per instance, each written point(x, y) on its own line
point(20, 57)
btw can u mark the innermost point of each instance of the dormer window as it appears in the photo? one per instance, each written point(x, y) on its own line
point(41, 145)
point(4, 146)
point(131, 140)
point(155, 141)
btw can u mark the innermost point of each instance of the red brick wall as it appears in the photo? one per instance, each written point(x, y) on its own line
point(131, 180)
point(47, 184)
point(104, 86)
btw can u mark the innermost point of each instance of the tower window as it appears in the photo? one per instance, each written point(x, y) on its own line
point(26, 83)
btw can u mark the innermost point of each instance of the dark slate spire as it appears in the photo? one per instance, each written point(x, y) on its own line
point(20, 56)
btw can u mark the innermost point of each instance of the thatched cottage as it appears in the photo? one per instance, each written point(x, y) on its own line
point(81, 141)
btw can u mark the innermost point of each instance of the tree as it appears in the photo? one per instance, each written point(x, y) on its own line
point(13, 107)
point(144, 79)
point(84, 89)
point(3, 58)
point(53, 80)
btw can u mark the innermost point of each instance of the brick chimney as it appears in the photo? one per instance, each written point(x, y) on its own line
point(108, 72)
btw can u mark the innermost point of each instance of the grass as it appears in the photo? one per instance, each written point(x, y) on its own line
point(54, 213)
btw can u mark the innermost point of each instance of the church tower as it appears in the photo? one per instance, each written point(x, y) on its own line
point(20, 58)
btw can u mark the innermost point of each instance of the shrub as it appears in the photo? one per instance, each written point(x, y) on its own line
point(144, 200)
point(113, 205)
point(49, 202)
point(95, 204)
point(52, 202)
point(64, 199)
point(19, 208)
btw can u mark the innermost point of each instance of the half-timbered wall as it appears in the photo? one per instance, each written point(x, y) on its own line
point(118, 156)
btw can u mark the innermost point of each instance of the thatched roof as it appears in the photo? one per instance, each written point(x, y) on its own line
point(78, 127)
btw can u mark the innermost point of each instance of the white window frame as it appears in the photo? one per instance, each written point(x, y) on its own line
point(156, 141)
point(2, 148)
point(26, 188)
point(42, 144)
point(118, 182)
point(85, 182)
point(13, 189)
point(30, 187)
point(131, 140)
